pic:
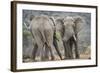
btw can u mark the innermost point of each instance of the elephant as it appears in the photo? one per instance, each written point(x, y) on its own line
point(68, 28)
point(42, 30)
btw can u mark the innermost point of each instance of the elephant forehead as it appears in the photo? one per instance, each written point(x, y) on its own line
point(69, 24)
point(69, 19)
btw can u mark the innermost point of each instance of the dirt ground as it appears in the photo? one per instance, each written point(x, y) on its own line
point(82, 56)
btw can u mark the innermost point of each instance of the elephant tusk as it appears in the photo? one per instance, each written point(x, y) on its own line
point(74, 37)
point(27, 27)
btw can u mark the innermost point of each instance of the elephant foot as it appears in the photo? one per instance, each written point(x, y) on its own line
point(35, 61)
point(65, 58)
point(52, 58)
point(77, 57)
point(60, 57)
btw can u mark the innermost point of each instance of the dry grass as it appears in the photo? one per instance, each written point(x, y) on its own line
point(85, 56)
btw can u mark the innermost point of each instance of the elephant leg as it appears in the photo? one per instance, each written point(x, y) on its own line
point(66, 49)
point(76, 47)
point(52, 55)
point(34, 51)
point(76, 51)
point(43, 53)
point(47, 52)
point(69, 50)
point(56, 47)
point(70, 43)
point(51, 51)
point(48, 33)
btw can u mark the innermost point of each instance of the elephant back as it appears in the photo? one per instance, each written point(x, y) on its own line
point(41, 27)
point(41, 21)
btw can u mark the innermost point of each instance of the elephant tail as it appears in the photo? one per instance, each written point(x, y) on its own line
point(42, 36)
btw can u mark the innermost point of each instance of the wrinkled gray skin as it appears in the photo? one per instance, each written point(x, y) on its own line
point(68, 28)
point(42, 30)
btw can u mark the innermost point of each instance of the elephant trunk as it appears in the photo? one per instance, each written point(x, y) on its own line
point(76, 47)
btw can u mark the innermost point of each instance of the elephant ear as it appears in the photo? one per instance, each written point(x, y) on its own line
point(79, 22)
point(60, 26)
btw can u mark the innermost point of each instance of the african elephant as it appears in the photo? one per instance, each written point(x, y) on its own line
point(42, 30)
point(68, 29)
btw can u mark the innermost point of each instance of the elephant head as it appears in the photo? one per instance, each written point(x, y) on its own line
point(68, 29)
point(72, 25)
